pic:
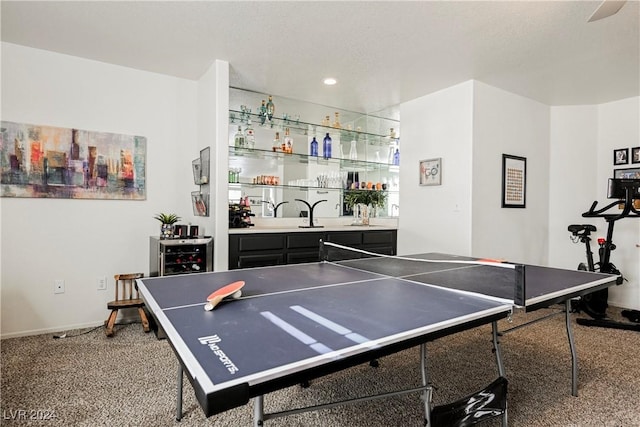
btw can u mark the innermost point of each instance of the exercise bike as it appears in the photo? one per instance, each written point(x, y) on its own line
point(595, 303)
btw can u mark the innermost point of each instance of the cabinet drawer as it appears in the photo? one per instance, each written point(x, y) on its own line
point(260, 242)
point(304, 240)
point(377, 237)
point(349, 238)
point(304, 256)
point(247, 261)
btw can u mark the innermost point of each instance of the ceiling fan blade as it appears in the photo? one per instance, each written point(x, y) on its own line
point(607, 8)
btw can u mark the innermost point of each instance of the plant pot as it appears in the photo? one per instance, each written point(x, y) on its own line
point(166, 231)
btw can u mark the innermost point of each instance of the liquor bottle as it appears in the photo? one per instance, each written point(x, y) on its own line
point(314, 147)
point(239, 139)
point(276, 142)
point(326, 147)
point(249, 136)
point(392, 133)
point(288, 142)
point(271, 109)
point(396, 157)
point(263, 112)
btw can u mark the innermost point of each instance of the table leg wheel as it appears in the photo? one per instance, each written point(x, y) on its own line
point(374, 363)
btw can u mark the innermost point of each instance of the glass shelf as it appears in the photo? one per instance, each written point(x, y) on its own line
point(304, 128)
point(347, 164)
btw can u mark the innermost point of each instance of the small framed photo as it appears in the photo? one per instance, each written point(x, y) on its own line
point(635, 155)
point(631, 173)
point(621, 156)
point(514, 181)
point(431, 172)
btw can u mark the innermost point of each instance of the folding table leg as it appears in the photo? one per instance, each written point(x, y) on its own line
point(572, 346)
point(496, 349)
point(425, 382)
point(258, 411)
point(179, 400)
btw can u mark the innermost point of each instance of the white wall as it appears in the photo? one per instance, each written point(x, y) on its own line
point(619, 127)
point(79, 240)
point(505, 123)
point(437, 218)
point(574, 179)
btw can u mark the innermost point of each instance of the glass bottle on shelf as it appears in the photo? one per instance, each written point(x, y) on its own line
point(326, 121)
point(314, 147)
point(326, 146)
point(353, 151)
point(288, 142)
point(249, 136)
point(271, 108)
point(239, 139)
point(392, 152)
point(392, 133)
point(336, 123)
point(263, 112)
point(396, 157)
point(276, 142)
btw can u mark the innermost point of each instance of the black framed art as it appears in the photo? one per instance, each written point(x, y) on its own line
point(514, 181)
point(621, 156)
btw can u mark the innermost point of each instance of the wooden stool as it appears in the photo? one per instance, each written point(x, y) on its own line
point(126, 297)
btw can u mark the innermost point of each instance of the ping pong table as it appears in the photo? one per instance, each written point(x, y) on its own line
point(298, 322)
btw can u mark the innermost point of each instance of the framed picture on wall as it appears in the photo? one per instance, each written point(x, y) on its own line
point(431, 172)
point(635, 155)
point(621, 156)
point(630, 173)
point(514, 181)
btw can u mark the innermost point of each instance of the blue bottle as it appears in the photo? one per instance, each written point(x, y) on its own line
point(326, 147)
point(314, 147)
point(396, 157)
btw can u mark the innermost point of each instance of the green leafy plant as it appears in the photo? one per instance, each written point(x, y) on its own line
point(375, 198)
point(167, 218)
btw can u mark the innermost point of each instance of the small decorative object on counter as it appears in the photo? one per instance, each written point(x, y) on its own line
point(166, 227)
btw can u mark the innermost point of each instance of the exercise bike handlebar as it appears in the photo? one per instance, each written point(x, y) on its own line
point(628, 207)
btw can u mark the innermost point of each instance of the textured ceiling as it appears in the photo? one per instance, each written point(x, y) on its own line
point(382, 53)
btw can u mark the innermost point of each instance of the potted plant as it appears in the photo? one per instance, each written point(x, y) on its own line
point(166, 221)
point(361, 200)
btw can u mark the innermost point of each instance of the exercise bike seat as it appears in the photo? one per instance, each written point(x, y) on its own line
point(585, 228)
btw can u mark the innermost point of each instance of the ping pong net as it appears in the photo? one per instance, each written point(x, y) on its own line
point(497, 271)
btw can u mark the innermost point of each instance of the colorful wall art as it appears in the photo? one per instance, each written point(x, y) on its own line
point(47, 161)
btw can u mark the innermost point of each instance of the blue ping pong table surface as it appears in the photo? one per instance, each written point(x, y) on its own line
point(296, 322)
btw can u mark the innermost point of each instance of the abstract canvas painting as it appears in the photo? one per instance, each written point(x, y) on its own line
point(47, 161)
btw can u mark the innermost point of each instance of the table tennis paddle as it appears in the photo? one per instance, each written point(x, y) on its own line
point(233, 290)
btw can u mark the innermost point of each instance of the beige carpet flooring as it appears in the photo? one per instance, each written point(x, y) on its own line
point(130, 380)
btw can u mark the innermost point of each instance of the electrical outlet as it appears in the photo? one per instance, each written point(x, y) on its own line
point(58, 286)
point(101, 281)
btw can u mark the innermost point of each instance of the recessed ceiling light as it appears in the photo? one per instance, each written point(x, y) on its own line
point(330, 81)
